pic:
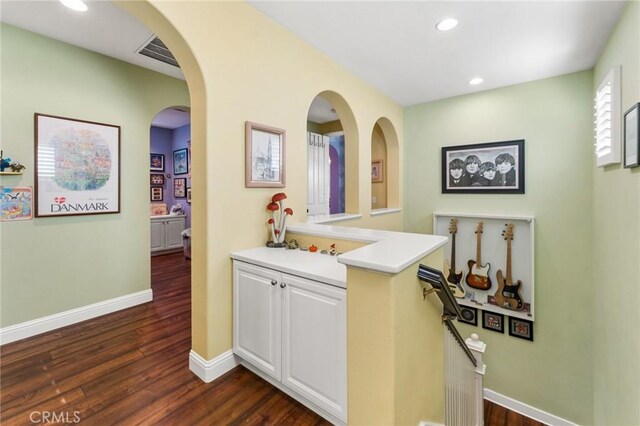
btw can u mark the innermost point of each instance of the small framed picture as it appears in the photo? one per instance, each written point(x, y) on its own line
point(520, 328)
point(156, 194)
point(492, 321)
point(376, 171)
point(189, 195)
point(156, 179)
point(264, 156)
point(180, 187)
point(157, 162)
point(469, 315)
point(181, 161)
point(631, 141)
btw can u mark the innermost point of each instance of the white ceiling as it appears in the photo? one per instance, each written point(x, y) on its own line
point(390, 44)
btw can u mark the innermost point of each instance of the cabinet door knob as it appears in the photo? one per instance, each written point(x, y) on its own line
point(282, 285)
point(274, 282)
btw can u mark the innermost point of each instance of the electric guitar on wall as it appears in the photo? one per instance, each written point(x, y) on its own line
point(454, 277)
point(478, 276)
point(508, 293)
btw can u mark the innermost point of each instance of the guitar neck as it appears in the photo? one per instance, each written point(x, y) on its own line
point(509, 277)
point(479, 249)
point(453, 253)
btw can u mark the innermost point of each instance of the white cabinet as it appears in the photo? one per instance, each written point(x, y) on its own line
point(165, 232)
point(294, 330)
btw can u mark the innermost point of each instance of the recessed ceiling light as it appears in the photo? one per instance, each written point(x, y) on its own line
point(446, 24)
point(77, 5)
point(476, 81)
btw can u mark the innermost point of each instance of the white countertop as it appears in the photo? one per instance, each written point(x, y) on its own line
point(167, 216)
point(389, 251)
point(316, 266)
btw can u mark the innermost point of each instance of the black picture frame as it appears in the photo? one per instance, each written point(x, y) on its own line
point(156, 179)
point(156, 162)
point(181, 161)
point(469, 315)
point(493, 321)
point(189, 195)
point(180, 188)
point(156, 193)
point(631, 155)
point(488, 177)
point(521, 328)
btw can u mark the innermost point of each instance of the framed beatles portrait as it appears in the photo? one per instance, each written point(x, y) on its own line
point(493, 167)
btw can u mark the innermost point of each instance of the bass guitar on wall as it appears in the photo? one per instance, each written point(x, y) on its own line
point(508, 293)
point(478, 276)
point(454, 277)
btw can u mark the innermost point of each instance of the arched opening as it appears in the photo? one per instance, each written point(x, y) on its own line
point(332, 157)
point(170, 181)
point(385, 154)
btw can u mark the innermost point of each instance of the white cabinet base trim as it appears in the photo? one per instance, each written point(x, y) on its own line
point(209, 370)
point(525, 410)
point(301, 399)
point(37, 326)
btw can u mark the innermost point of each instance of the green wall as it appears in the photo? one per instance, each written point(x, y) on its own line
point(50, 265)
point(554, 116)
point(616, 254)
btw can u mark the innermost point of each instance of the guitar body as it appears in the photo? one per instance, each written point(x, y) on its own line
point(508, 294)
point(478, 276)
point(454, 279)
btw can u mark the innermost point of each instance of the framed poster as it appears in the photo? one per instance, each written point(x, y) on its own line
point(156, 163)
point(180, 187)
point(520, 328)
point(492, 321)
point(189, 195)
point(157, 194)
point(180, 161)
point(631, 141)
point(77, 167)
point(16, 203)
point(264, 156)
point(494, 167)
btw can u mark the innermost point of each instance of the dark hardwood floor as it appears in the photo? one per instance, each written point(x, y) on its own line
point(131, 367)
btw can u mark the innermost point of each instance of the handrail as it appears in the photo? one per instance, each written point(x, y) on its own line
point(450, 305)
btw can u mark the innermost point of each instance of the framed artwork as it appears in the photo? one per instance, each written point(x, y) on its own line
point(16, 203)
point(631, 141)
point(158, 209)
point(157, 163)
point(77, 167)
point(157, 194)
point(469, 315)
point(180, 187)
point(264, 156)
point(520, 328)
point(493, 321)
point(181, 161)
point(376, 171)
point(156, 179)
point(494, 167)
point(189, 195)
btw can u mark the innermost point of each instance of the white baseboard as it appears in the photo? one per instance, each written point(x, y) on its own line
point(209, 370)
point(41, 325)
point(423, 423)
point(526, 410)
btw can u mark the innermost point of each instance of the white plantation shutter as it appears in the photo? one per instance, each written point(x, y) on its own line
point(607, 119)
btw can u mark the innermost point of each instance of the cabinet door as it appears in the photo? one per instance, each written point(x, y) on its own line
point(174, 227)
point(314, 343)
point(257, 317)
point(157, 235)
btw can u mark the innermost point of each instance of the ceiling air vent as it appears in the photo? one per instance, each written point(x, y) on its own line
point(157, 50)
